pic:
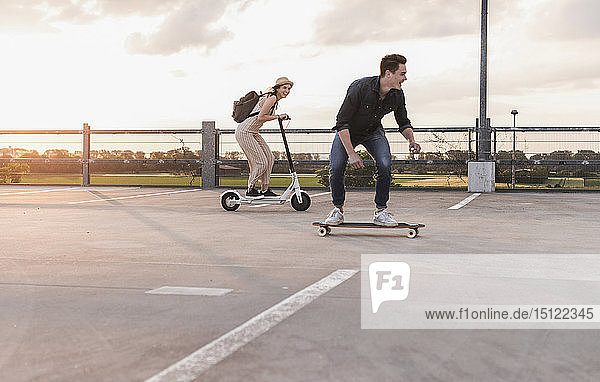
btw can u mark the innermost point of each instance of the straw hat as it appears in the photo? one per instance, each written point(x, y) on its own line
point(279, 82)
point(282, 81)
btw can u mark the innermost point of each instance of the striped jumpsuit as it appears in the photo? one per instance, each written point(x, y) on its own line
point(260, 157)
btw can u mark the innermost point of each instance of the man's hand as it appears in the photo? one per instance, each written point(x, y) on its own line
point(414, 147)
point(283, 117)
point(355, 161)
point(353, 157)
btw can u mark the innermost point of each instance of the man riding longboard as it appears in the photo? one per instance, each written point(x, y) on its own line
point(367, 101)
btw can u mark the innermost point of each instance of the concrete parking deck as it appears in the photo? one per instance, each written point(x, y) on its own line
point(76, 263)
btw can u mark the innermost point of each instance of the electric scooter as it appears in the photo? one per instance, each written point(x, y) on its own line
point(300, 200)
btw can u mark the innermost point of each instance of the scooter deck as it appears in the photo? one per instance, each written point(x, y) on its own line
point(324, 228)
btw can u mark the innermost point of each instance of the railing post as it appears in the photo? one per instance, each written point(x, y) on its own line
point(209, 155)
point(470, 147)
point(495, 140)
point(476, 138)
point(85, 161)
point(514, 157)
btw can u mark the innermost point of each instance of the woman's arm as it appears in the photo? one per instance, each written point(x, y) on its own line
point(265, 109)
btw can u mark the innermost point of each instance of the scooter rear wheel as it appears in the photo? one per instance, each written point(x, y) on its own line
point(305, 202)
point(229, 201)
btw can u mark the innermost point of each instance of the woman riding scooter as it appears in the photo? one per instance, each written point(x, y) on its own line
point(260, 157)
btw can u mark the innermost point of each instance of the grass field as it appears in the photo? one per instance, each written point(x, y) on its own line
point(115, 179)
point(282, 181)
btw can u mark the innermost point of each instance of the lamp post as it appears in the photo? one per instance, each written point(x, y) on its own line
point(514, 114)
point(484, 136)
point(482, 171)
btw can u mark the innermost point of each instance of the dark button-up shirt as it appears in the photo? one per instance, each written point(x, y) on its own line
point(362, 109)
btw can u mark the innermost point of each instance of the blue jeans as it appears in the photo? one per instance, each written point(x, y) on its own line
point(378, 146)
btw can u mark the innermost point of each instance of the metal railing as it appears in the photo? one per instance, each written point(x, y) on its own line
point(208, 127)
point(211, 157)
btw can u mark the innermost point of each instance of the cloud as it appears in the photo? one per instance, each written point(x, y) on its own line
point(351, 22)
point(357, 21)
point(22, 16)
point(546, 71)
point(567, 20)
point(187, 23)
point(40, 15)
point(138, 7)
point(550, 46)
point(178, 73)
point(192, 25)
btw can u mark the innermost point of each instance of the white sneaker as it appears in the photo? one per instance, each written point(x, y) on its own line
point(384, 218)
point(336, 217)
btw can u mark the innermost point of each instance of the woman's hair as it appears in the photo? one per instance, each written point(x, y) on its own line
point(276, 87)
point(271, 90)
point(391, 62)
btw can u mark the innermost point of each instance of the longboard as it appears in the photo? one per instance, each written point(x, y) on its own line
point(324, 228)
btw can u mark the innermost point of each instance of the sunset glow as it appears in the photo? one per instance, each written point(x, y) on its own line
point(121, 64)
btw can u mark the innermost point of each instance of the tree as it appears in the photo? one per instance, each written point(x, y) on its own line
point(57, 153)
point(233, 155)
point(12, 172)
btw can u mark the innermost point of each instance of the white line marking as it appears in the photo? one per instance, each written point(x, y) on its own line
point(321, 194)
point(71, 189)
point(190, 291)
point(161, 263)
point(110, 189)
point(134, 196)
point(189, 368)
point(464, 202)
point(37, 191)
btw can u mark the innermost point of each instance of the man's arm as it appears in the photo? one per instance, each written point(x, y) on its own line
point(405, 126)
point(400, 112)
point(347, 110)
point(353, 157)
point(413, 146)
point(349, 107)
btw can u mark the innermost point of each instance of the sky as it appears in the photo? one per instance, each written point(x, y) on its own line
point(176, 63)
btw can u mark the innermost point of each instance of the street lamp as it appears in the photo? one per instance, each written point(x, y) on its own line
point(514, 114)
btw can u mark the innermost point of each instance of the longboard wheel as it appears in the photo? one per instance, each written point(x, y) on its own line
point(412, 233)
point(323, 231)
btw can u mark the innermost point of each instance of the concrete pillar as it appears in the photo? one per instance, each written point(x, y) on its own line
point(482, 176)
point(209, 155)
point(85, 161)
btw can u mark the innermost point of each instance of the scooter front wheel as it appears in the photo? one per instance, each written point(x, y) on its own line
point(230, 201)
point(301, 206)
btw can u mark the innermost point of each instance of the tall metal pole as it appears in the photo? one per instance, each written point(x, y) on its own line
point(485, 136)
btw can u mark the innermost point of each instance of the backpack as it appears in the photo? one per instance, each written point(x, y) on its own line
point(242, 109)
